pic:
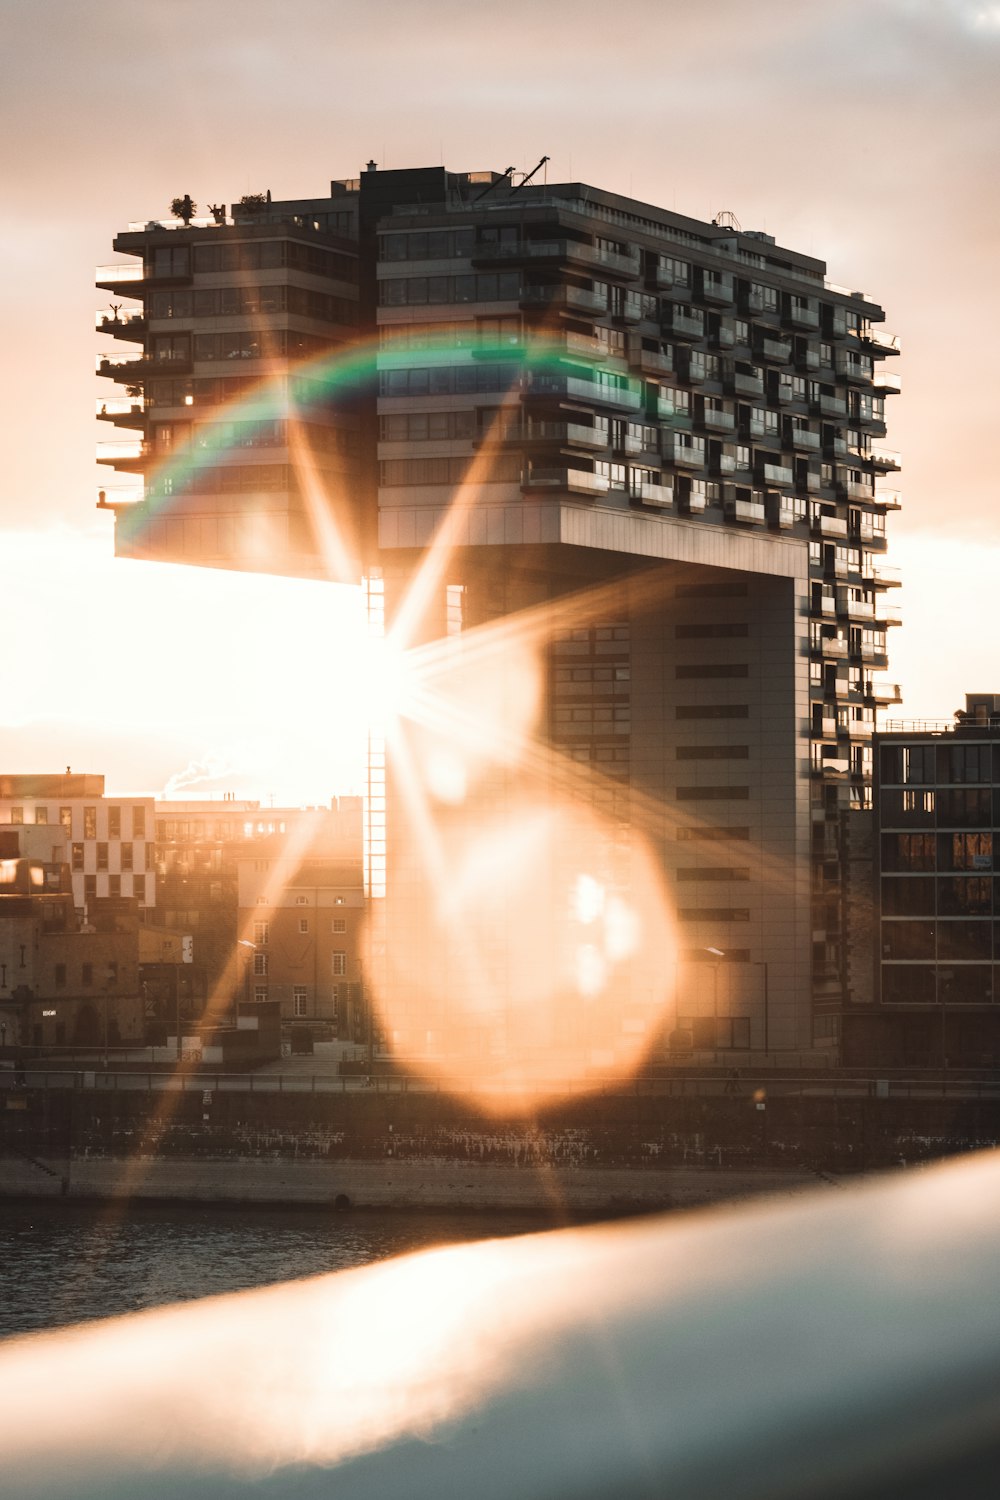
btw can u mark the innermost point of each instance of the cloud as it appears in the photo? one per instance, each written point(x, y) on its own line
point(211, 767)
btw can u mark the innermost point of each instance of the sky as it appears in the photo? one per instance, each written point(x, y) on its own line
point(866, 132)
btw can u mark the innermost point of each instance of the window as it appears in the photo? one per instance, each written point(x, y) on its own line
point(138, 822)
point(260, 993)
point(60, 976)
point(114, 822)
point(338, 965)
point(41, 816)
point(89, 887)
point(713, 752)
point(303, 924)
point(114, 885)
point(139, 886)
point(339, 925)
point(77, 856)
point(260, 963)
point(299, 999)
point(102, 856)
point(714, 914)
point(713, 793)
point(126, 856)
point(17, 815)
point(712, 711)
point(90, 822)
point(261, 933)
point(66, 819)
point(302, 901)
point(703, 671)
point(710, 630)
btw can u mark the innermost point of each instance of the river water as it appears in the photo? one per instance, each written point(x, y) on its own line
point(66, 1263)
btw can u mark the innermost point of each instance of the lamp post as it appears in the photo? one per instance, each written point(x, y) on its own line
point(717, 953)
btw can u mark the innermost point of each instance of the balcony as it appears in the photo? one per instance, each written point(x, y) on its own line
point(856, 489)
point(853, 367)
point(717, 287)
point(774, 350)
point(889, 612)
point(780, 510)
point(687, 455)
point(807, 358)
point(565, 298)
point(884, 693)
point(577, 388)
point(572, 434)
point(799, 316)
point(656, 494)
point(879, 340)
point(888, 499)
point(831, 645)
point(823, 727)
point(123, 411)
point(830, 767)
point(572, 481)
point(684, 323)
point(129, 325)
point(887, 382)
point(885, 460)
point(832, 406)
point(871, 652)
point(865, 529)
point(716, 419)
point(747, 382)
point(886, 578)
point(780, 476)
point(583, 346)
point(123, 453)
point(746, 512)
point(854, 609)
point(830, 526)
point(120, 497)
point(649, 361)
point(130, 367)
point(804, 439)
point(123, 278)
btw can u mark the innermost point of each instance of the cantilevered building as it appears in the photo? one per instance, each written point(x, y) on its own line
point(656, 436)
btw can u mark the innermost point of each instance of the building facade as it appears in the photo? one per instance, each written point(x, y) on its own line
point(936, 898)
point(108, 842)
point(676, 425)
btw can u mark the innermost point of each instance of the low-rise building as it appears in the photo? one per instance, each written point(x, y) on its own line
point(108, 840)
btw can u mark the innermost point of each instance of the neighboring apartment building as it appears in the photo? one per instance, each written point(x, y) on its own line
point(936, 895)
point(65, 982)
point(304, 926)
point(208, 849)
point(107, 841)
point(682, 414)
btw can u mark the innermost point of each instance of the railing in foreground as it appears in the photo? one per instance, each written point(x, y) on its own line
point(842, 1345)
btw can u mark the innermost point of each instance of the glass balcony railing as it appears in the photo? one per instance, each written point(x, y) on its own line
point(121, 450)
point(576, 481)
point(120, 406)
point(805, 439)
point(121, 323)
point(651, 493)
point(887, 382)
point(125, 270)
point(129, 494)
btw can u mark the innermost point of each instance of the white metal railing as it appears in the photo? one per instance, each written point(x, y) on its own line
point(839, 1344)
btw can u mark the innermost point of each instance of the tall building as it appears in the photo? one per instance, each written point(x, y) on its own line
point(642, 450)
point(935, 937)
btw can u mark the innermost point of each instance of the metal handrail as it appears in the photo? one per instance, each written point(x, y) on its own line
point(839, 1344)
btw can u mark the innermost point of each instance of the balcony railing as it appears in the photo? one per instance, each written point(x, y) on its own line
point(109, 277)
point(887, 382)
point(805, 439)
point(576, 481)
point(128, 324)
point(120, 406)
point(779, 475)
point(656, 494)
point(717, 420)
point(119, 450)
point(750, 512)
point(686, 325)
point(690, 456)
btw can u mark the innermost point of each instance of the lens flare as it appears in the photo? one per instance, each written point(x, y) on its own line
point(534, 954)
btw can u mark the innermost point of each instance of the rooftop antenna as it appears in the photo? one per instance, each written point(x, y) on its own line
point(528, 176)
point(495, 183)
point(726, 219)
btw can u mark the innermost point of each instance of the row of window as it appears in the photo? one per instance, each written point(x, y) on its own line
point(262, 930)
point(900, 765)
point(247, 301)
point(105, 974)
point(338, 964)
point(43, 816)
point(118, 885)
point(487, 286)
point(941, 851)
point(504, 468)
point(943, 896)
point(945, 807)
point(957, 938)
point(102, 852)
point(264, 255)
